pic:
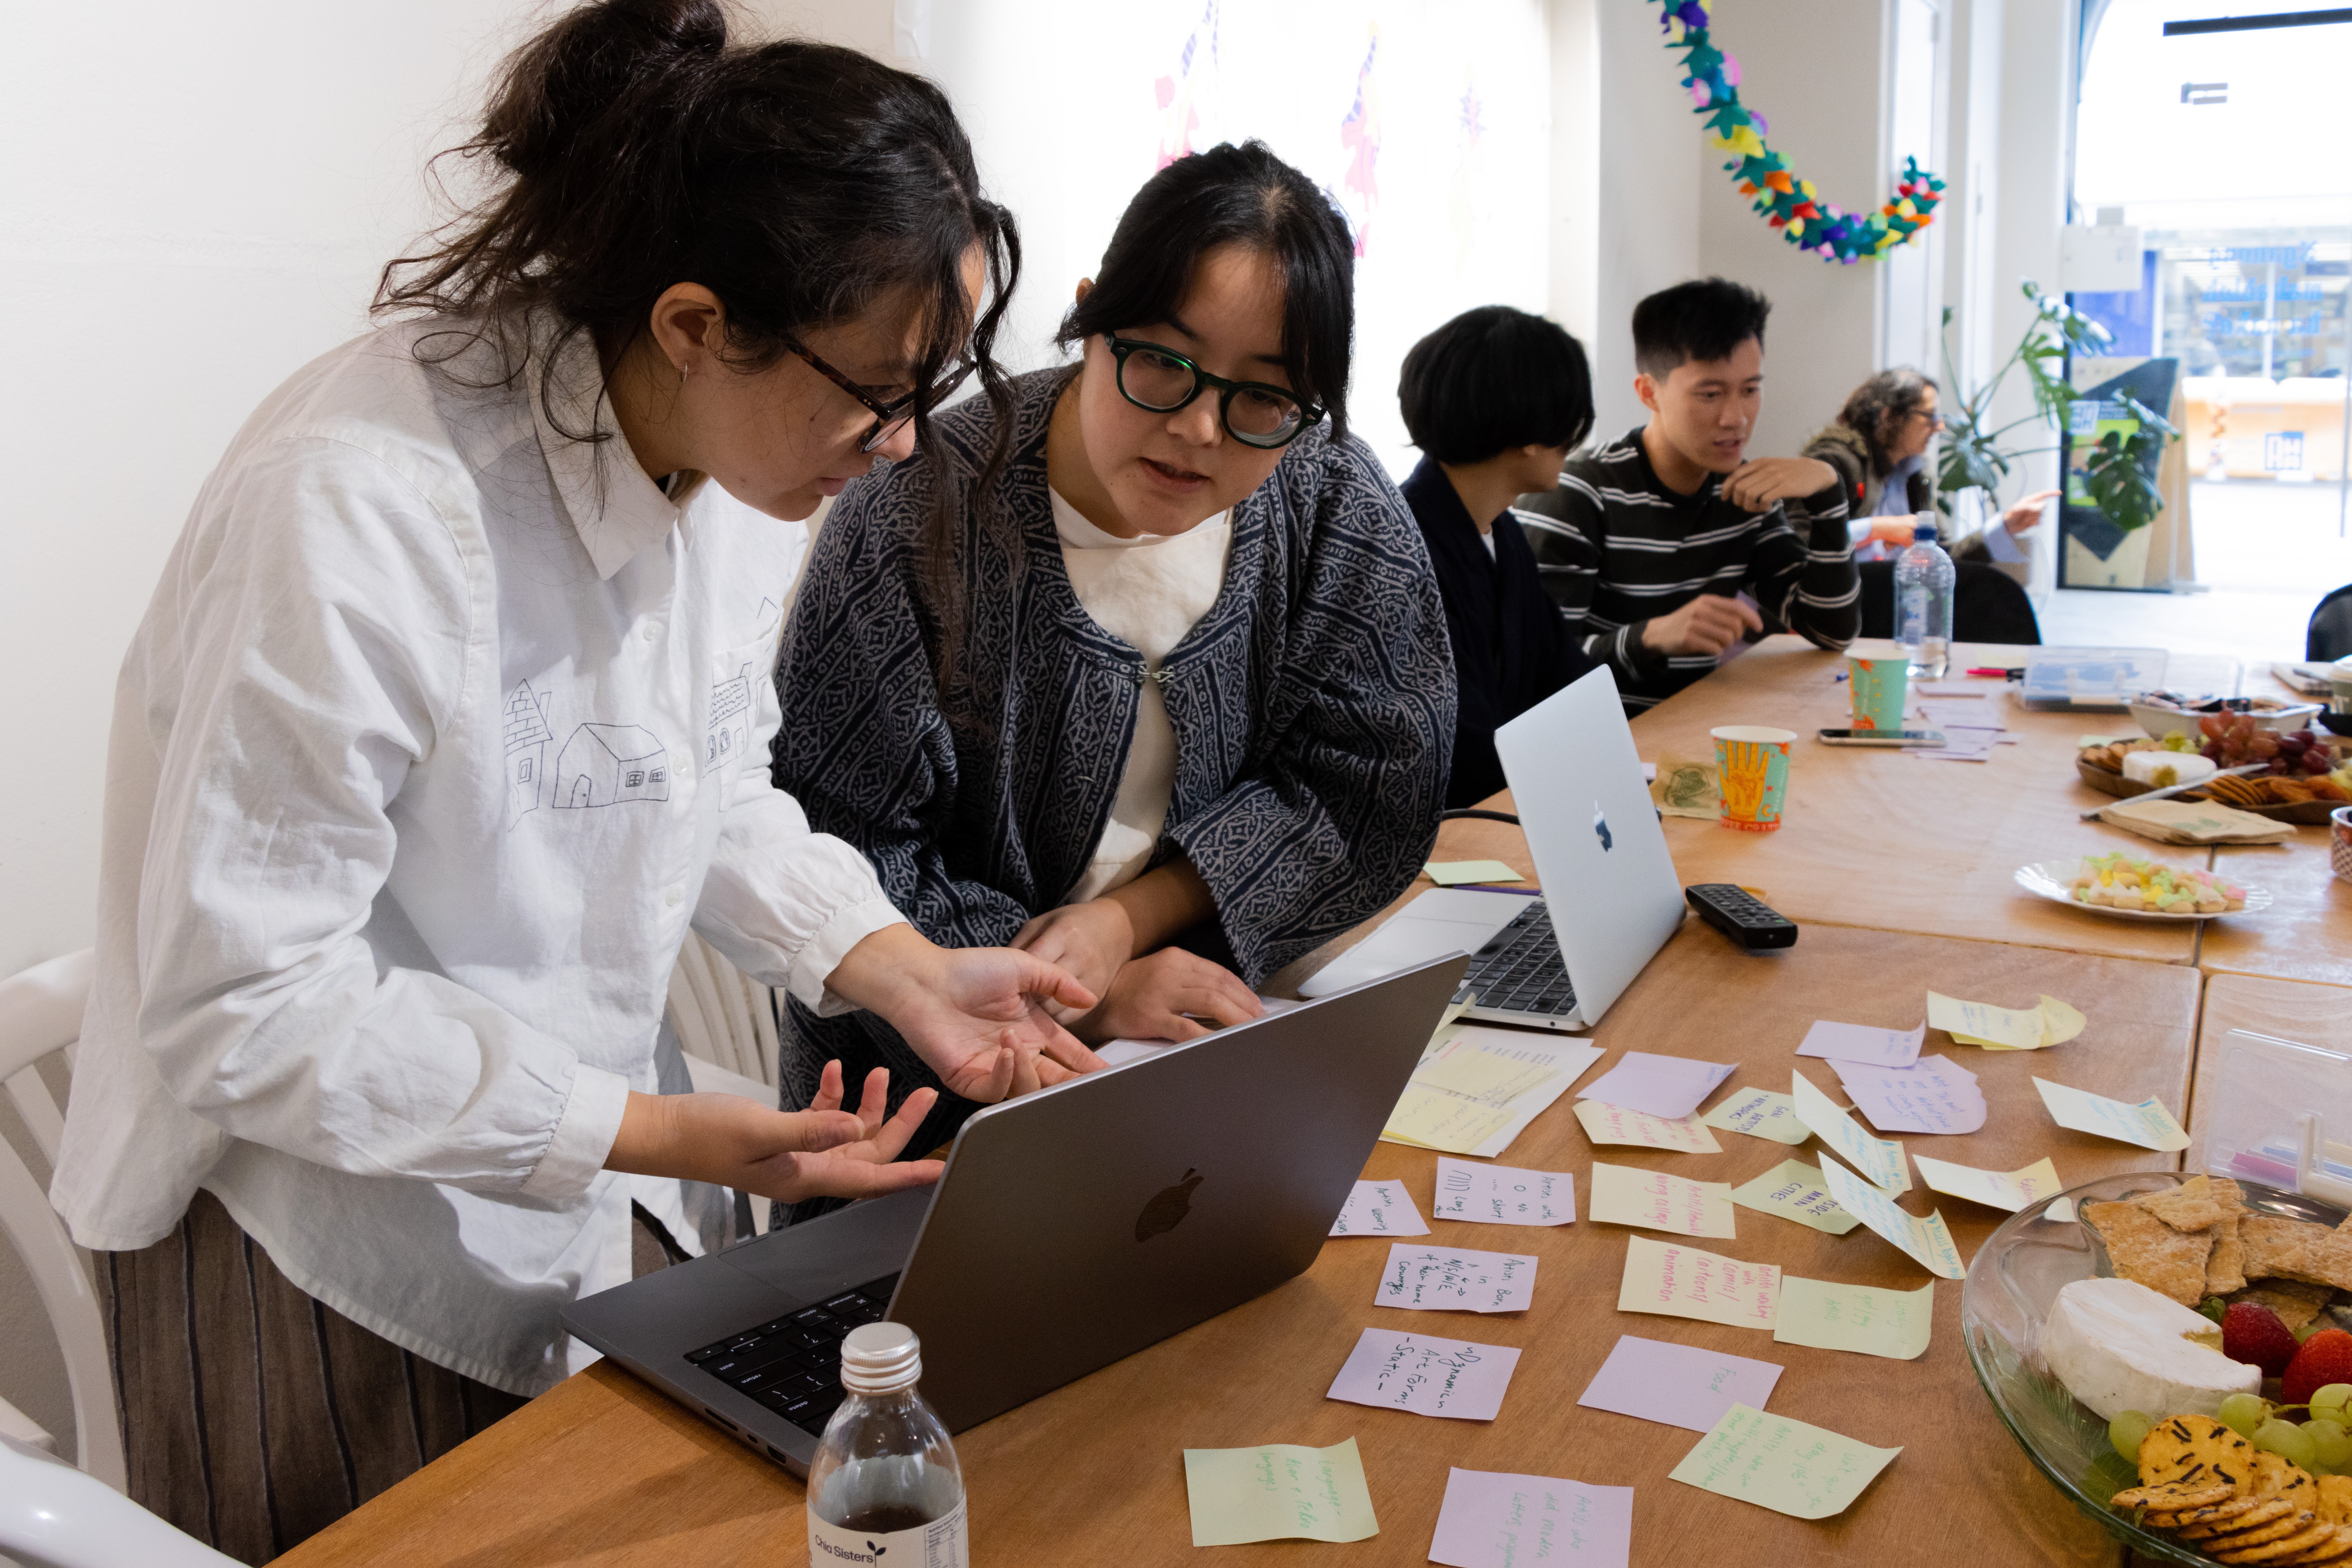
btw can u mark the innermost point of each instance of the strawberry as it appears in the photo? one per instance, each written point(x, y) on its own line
point(2252, 1333)
point(2324, 1358)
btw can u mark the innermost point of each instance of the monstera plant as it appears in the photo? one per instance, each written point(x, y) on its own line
point(2119, 470)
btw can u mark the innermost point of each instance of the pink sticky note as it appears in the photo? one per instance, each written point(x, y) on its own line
point(1491, 1520)
point(1669, 1086)
point(1861, 1043)
point(1933, 1095)
point(1680, 1385)
point(1427, 1376)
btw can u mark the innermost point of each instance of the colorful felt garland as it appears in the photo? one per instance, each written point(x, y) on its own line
point(1794, 207)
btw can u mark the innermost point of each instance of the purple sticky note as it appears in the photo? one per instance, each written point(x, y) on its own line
point(1935, 1094)
point(1491, 1520)
point(1678, 1385)
point(1670, 1086)
point(1861, 1043)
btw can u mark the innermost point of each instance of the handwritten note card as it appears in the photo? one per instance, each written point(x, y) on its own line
point(1861, 1043)
point(1794, 1190)
point(2148, 1124)
point(1677, 1281)
point(2049, 1022)
point(1928, 1241)
point(1455, 1280)
point(1656, 1201)
point(1786, 1465)
point(2059, 1023)
point(1614, 1124)
point(1858, 1318)
point(1379, 1208)
point(1490, 1520)
point(1680, 1385)
point(1500, 1195)
point(1478, 1088)
point(1933, 1095)
point(1667, 1087)
point(1759, 1113)
point(2011, 1190)
point(1277, 1492)
point(1880, 1159)
point(1426, 1376)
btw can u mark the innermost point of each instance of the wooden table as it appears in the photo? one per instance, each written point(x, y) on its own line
point(2306, 933)
point(605, 1471)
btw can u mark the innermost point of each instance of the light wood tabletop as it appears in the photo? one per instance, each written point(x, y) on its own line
point(604, 1470)
point(2305, 934)
point(2307, 1013)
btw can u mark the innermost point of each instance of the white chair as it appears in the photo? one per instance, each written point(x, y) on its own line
point(40, 1012)
point(722, 1016)
point(53, 1516)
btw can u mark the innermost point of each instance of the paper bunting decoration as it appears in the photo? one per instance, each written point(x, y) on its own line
point(1790, 205)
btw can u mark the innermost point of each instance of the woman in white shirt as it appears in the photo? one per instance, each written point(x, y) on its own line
point(450, 717)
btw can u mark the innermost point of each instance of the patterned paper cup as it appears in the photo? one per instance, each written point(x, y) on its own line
point(1751, 767)
point(1880, 685)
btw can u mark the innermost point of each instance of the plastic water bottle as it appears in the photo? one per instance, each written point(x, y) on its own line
point(886, 1490)
point(1923, 603)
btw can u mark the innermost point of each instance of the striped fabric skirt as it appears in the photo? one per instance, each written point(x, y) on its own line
point(254, 1414)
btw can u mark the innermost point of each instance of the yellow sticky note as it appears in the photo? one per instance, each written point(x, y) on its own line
point(1481, 1075)
point(1759, 1113)
point(1928, 1241)
point(2148, 1124)
point(1880, 1159)
point(2011, 1190)
point(1677, 1281)
point(1982, 1023)
point(1789, 1466)
point(1862, 1319)
point(1639, 1129)
point(2059, 1023)
point(1278, 1491)
point(1434, 1119)
point(1656, 1201)
point(1454, 873)
point(1793, 1190)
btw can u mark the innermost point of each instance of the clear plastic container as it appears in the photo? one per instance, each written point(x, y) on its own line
point(1923, 602)
point(2279, 1113)
point(884, 1489)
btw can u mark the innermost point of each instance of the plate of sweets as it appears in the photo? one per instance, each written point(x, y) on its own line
point(2175, 1353)
point(2131, 889)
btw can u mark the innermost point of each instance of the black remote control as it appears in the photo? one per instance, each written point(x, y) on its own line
point(1742, 915)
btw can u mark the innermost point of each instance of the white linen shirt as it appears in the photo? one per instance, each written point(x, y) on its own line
point(441, 729)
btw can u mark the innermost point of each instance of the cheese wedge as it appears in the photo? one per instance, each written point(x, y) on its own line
point(2117, 1345)
point(2162, 770)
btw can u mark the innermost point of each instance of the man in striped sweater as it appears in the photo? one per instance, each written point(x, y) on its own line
point(1662, 549)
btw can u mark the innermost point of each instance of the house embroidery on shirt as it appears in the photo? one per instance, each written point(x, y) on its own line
point(527, 737)
point(608, 764)
point(731, 719)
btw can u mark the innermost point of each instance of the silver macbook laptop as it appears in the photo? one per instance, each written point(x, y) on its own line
point(1611, 897)
point(1073, 1226)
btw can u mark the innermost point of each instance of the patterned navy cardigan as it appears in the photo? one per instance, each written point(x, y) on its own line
point(1313, 705)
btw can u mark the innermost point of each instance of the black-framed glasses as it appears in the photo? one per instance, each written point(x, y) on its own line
point(890, 417)
point(1162, 381)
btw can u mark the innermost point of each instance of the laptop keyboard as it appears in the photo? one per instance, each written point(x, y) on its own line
point(1519, 971)
point(791, 1364)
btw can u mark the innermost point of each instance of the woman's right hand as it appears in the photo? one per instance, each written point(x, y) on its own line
point(977, 1016)
point(1164, 996)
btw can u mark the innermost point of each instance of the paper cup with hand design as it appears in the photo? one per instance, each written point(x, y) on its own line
point(1751, 770)
point(1881, 687)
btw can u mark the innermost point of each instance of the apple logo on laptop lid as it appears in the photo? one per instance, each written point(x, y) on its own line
point(1167, 1209)
point(1600, 828)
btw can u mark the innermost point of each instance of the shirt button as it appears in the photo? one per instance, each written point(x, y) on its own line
point(653, 632)
point(673, 898)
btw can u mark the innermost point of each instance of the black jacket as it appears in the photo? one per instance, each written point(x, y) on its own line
point(1512, 648)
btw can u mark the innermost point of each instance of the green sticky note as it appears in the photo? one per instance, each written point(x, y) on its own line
point(1786, 1465)
point(1793, 1190)
point(1276, 1492)
point(1858, 1318)
point(1759, 1113)
point(1454, 873)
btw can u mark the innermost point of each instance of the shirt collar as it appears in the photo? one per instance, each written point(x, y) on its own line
point(614, 506)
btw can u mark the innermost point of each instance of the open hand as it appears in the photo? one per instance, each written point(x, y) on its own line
point(1708, 623)
point(788, 1155)
point(975, 1014)
point(1164, 996)
point(1760, 482)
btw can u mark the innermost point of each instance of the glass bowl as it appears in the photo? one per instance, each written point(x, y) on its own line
point(2015, 1276)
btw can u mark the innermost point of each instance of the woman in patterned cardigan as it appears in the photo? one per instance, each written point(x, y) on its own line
point(1143, 667)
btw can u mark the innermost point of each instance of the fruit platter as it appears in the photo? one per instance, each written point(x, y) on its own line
point(2302, 777)
point(2175, 1353)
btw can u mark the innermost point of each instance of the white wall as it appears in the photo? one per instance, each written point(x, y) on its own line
point(195, 201)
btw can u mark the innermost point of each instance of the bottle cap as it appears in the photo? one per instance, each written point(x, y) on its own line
point(1923, 534)
point(877, 1358)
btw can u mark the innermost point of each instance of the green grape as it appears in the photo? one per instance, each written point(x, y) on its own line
point(2243, 1413)
point(2331, 1400)
point(2127, 1431)
point(2287, 1440)
point(2308, 1329)
point(2329, 1440)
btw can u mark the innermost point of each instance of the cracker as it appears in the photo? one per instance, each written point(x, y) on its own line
point(2293, 1545)
point(2295, 1522)
point(2337, 1548)
point(2144, 1249)
point(2175, 1496)
point(2217, 1513)
point(2194, 1449)
point(2295, 1303)
point(2188, 1207)
point(2225, 1270)
point(2297, 1249)
point(2265, 1510)
point(2335, 1504)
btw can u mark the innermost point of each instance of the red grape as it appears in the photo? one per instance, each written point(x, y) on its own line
point(2211, 726)
point(2279, 767)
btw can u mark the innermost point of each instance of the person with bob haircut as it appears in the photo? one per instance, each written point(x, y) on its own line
point(432, 745)
point(1878, 448)
point(1168, 702)
point(1696, 546)
point(1495, 399)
